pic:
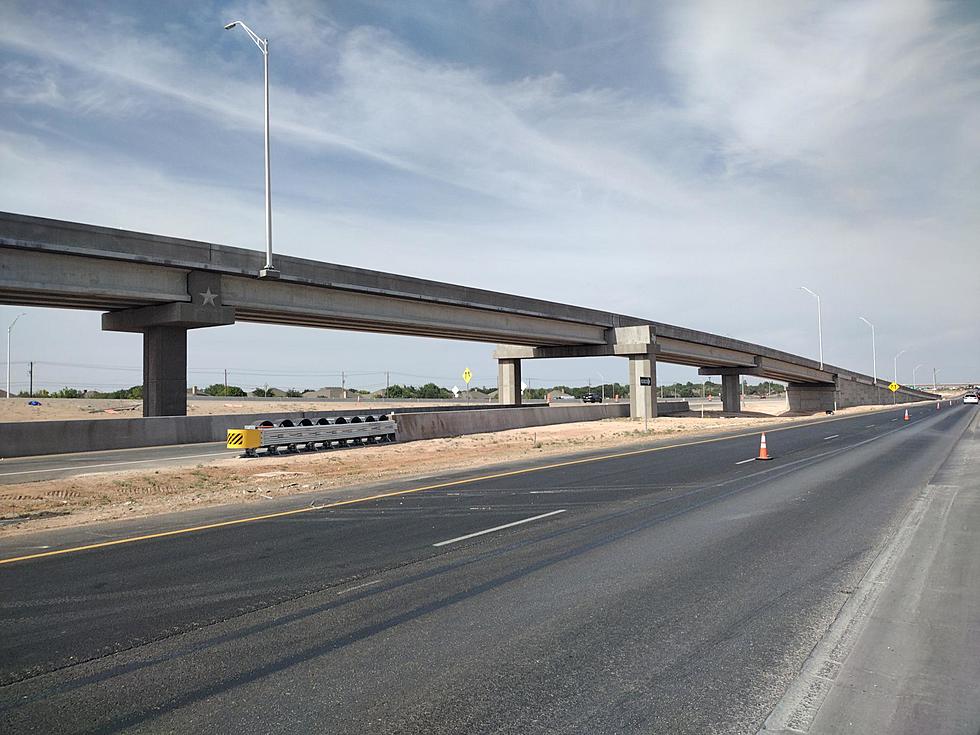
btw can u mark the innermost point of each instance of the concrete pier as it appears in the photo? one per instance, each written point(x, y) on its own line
point(731, 398)
point(165, 371)
point(509, 382)
point(643, 400)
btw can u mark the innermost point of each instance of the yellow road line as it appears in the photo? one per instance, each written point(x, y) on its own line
point(379, 496)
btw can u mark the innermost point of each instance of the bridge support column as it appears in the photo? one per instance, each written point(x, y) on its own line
point(509, 382)
point(164, 329)
point(165, 371)
point(731, 399)
point(643, 398)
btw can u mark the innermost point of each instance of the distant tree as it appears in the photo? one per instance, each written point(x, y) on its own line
point(68, 393)
point(220, 389)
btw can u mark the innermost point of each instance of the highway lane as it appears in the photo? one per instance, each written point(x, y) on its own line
point(54, 466)
point(676, 588)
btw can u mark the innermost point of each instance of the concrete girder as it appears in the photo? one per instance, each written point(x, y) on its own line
point(284, 302)
point(80, 282)
point(774, 370)
point(691, 353)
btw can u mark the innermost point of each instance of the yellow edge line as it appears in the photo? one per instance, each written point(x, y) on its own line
point(379, 496)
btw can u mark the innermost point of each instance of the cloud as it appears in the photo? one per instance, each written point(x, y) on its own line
point(722, 155)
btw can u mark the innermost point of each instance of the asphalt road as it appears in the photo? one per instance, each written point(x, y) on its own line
point(666, 590)
point(53, 466)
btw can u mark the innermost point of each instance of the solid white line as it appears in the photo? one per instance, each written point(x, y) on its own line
point(498, 528)
point(750, 459)
point(832, 436)
point(111, 464)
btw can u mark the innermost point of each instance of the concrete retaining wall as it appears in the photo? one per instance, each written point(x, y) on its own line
point(435, 425)
point(850, 391)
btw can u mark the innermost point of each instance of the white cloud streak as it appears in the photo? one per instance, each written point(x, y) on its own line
point(832, 140)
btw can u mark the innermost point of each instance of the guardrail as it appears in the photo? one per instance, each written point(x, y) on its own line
point(312, 436)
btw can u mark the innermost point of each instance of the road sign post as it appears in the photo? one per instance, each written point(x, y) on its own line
point(646, 382)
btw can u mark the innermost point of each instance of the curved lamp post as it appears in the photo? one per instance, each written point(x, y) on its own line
point(270, 271)
point(819, 322)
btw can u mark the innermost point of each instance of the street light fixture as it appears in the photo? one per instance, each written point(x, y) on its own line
point(270, 271)
point(819, 322)
point(9, 330)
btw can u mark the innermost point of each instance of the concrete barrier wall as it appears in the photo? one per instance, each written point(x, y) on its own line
point(30, 438)
point(435, 425)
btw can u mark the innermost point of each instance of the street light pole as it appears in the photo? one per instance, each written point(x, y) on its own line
point(896, 363)
point(270, 271)
point(914, 370)
point(894, 394)
point(935, 371)
point(874, 355)
point(819, 322)
point(9, 330)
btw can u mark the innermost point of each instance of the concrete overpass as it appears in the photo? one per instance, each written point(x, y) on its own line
point(163, 286)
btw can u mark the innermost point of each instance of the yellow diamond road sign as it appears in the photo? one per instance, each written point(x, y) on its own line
point(467, 375)
point(894, 387)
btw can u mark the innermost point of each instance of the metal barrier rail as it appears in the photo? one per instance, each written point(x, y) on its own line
point(311, 436)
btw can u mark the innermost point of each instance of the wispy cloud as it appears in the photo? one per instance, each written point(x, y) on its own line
point(707, 149)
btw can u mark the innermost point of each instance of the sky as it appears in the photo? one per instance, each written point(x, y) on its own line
point(689, 162)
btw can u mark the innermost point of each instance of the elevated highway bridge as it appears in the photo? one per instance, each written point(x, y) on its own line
point(162, 286)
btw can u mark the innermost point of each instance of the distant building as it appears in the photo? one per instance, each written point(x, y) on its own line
point(332, 393)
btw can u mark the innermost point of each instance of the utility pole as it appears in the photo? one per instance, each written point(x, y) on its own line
point(387, 383)
point(226, 381)
point(30, 373)
point(343, 383)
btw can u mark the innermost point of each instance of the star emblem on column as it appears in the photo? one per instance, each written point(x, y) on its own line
point(208, 298)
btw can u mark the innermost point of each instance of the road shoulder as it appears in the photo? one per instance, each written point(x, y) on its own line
point(903, 655)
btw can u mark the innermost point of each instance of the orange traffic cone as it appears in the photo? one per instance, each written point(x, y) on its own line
point(906, 414)
point(763, 451)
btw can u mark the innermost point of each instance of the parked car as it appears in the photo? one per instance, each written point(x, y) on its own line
point(971, 398)
point(592, 398)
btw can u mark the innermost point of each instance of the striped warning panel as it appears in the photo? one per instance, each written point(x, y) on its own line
point(244, 438)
